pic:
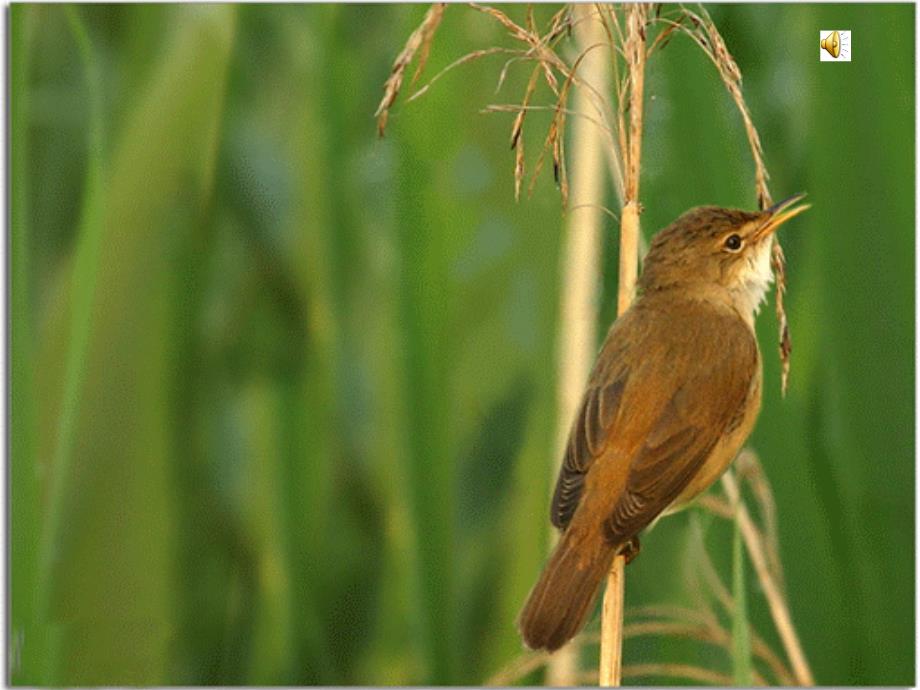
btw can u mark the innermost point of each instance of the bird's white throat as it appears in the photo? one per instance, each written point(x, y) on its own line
point(755, 279)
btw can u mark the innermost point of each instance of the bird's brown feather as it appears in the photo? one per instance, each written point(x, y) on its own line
point(634, 447)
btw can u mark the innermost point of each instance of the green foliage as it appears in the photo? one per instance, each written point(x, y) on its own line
point(283, 397)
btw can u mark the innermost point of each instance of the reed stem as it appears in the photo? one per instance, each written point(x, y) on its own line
point(635, 51)
point(611, 664)
point(580, 283)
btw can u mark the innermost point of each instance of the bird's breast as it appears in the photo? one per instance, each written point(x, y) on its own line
point(728, 446)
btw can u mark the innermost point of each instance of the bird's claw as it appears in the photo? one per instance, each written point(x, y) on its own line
point(630, 550)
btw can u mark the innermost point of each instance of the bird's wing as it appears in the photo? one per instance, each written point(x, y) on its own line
point(718, 366)
point(590, 431)
point(707, 349)
point(587, 440)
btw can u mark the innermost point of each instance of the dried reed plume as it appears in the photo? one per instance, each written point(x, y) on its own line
point(420, 38)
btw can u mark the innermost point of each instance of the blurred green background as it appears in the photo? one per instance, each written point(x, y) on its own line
point(283, 403)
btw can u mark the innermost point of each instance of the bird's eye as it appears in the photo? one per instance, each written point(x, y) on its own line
point(733, 243)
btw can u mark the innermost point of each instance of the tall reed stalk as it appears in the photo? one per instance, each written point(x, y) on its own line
point(580, 272)
point(634, 49)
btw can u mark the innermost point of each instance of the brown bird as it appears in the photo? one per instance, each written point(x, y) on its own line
point(672, 397)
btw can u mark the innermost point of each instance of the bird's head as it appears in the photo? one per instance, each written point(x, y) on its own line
point(711, 247)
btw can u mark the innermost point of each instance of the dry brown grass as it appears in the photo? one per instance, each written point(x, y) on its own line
point(421, 38)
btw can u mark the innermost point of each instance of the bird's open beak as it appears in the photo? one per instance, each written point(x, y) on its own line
point(779, 213)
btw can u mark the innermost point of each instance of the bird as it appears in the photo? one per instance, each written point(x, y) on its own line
point(673, 395)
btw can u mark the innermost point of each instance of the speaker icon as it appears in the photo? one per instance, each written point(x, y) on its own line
point(835, 46)
point(832, 44)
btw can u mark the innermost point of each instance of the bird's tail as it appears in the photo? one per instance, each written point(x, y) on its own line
point(562, 599)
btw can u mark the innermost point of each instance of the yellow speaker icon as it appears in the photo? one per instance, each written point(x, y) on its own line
point(832, 44)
